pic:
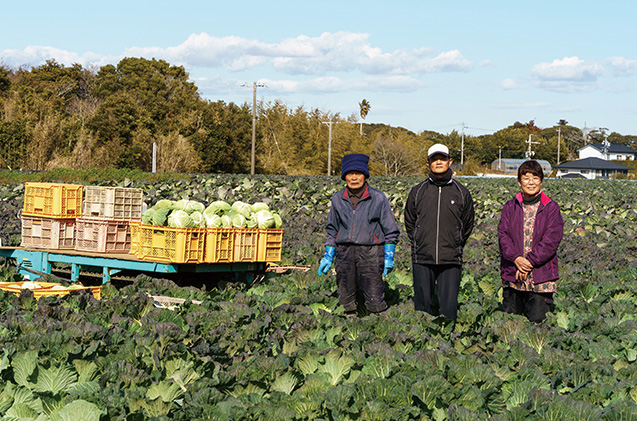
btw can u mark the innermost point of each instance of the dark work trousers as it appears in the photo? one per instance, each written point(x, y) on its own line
point(534, 305)
point(360, 268)
point(446, 278)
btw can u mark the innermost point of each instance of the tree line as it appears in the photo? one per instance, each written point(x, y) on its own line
point(54, 116)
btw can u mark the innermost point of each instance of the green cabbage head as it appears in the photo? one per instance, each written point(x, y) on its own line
point(180, 219)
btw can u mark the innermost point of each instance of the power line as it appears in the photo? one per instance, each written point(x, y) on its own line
point(479, 128)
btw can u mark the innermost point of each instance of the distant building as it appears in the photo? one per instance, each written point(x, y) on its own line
point(614, 153)
point(590, 168)
point(510, 166)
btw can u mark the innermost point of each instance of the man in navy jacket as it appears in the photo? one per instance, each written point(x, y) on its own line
point(361, 238)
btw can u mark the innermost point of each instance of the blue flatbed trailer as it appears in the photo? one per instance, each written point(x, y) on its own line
point(30, 261)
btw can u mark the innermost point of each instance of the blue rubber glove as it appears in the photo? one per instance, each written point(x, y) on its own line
point(326, 261)
point(389, 258)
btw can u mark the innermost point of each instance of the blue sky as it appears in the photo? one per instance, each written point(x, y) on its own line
point(422, 65)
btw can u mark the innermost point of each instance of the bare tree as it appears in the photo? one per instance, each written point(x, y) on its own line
point(397, 159)
point(176, 154)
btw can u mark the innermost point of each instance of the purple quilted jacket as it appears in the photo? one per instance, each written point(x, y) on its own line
point(547, 235)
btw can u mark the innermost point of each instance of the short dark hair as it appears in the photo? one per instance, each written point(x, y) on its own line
point(531, 166)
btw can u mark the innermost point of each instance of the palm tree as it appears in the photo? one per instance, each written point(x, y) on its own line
point(364, 106)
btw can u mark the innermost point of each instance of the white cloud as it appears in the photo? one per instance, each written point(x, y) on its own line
point(622, 66)
point(568, 69)
point(327, 53)
point(567, 75)
point(509, 84)
point(524, 105)
point(36, 55)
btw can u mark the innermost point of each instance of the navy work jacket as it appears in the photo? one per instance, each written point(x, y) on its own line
point(372, 223)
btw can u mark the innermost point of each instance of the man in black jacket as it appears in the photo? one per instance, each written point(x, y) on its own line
point(438, 220)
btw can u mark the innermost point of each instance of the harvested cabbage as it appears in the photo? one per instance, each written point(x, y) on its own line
point(160, 216)
point(264, 219)
point(180, 204)
point(163, 203)
point(221, 205)
point(238, 221)
point(147, 217)
point(226, 221)
point(212, 220)
point(242, 208)
point(278, 222)
point(194, 206)
point(188, 206)
point(211, 210)
point(251, 222)
point(198, 219)
point(180, 219)
point(256, 207)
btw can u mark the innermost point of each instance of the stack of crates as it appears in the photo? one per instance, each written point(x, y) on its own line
point(105, 225)
point(49, 215)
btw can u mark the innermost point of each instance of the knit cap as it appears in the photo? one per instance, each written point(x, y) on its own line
point(354, 162)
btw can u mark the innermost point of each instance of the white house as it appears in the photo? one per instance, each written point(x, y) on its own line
point(615, 152)
point(590, 168)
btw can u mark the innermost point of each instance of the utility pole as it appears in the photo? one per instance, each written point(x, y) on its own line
point(462, 148)
point(154, 165)
point(605, 147)
point(329, 147)
point(585, 135)
point(558, 144)
point(254, 124)
point(529, 154)
point(500, 158)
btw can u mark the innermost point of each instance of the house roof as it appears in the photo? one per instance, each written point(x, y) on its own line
point(611, 149)
point(574, 175)
point(592, 164)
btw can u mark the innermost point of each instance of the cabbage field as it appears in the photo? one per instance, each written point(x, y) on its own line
point(283, 349)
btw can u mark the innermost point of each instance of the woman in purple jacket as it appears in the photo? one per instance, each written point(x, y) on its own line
point(529, 233)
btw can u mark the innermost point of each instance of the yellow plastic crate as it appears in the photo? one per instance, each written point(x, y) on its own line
point(48, 233)
point(46, 289)
point(171, 245)
point(270, 245)
point(219, 245)
point(113, 202)
point(102, 235)
point(134, 236)
point(246, 243)
point(52, 200)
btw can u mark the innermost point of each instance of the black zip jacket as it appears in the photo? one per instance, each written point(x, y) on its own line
point(438, 222)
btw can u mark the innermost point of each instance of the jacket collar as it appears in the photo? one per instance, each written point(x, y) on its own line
point(364, 196)
point(544, 199)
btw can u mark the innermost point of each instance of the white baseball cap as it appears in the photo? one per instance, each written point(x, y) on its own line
point(438, 148)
